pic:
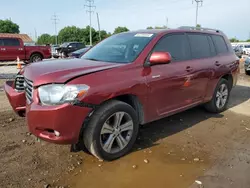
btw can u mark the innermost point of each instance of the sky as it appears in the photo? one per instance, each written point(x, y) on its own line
point(230, 16)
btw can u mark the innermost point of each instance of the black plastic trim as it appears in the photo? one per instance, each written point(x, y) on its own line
point(86, 105)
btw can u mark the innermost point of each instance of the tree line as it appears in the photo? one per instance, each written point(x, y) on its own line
point(76, 34)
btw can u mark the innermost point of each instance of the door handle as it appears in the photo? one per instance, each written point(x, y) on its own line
point(3, 49)
point(20, 49)
point(189, 69)
point(217, 63)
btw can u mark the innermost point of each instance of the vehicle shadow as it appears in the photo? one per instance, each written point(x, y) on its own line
point(150, 133)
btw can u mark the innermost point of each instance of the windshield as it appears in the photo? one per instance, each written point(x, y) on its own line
point(121, 48)
point(65, 44)
point(247, 46)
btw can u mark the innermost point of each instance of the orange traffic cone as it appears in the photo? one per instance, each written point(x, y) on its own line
point(19, 65)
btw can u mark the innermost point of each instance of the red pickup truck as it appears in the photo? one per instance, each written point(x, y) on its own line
point(11, 48)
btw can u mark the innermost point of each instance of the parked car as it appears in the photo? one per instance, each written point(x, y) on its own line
point(66, 48)
point(128, 79)
point(247, 66)
point(79, 53)
point(54, 53)
point(11, 48)
point(238, 51)
point(246, 49)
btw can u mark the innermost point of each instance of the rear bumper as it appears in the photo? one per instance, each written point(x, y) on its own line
point(17, 99)
point(66, 119)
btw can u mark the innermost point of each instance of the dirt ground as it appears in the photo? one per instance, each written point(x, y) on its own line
point(173, 152)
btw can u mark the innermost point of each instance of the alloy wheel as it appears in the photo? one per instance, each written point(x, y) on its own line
point(221, 96)
point(116, 132)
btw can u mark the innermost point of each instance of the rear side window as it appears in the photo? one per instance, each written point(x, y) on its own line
point(199, 46)
point(220, 44)
point(177, 45)
point(1, 42)
point(11, 42)
point(212, 47)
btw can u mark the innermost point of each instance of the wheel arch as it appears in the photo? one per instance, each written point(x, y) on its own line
point(133, 101)
point(36, 52)
point(229, 78)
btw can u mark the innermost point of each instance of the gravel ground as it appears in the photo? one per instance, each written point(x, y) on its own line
point(173, 152)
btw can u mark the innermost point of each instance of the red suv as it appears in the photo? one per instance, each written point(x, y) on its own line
point(126, 80)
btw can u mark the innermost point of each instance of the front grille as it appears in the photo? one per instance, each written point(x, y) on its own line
point(19, 81)
point(28, 90)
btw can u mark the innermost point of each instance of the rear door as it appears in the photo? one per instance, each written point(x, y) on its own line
point(13, 49)
point(203, 59)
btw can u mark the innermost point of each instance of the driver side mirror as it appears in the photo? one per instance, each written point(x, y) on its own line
point(160, 58)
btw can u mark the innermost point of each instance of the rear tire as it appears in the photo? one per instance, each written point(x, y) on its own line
point(36, 58)
point(220, 97)
point(105, 136)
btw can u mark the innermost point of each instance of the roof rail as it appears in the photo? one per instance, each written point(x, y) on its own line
point(200, 29)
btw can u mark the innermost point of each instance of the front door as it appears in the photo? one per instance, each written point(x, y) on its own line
point(170, 83)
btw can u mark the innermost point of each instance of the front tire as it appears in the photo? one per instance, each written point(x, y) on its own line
point(112, 130)
point(220, 97)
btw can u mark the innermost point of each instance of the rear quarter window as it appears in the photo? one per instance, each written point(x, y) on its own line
point(220, 44)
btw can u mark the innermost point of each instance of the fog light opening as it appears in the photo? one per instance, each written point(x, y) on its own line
point(57, 133)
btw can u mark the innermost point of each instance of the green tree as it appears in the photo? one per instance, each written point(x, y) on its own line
point(234, 40)
point(7, 26)
point(95, 35)
point(248, 40)
point(45, 39)
point(120, 30)
point(198, 26)
point(71, 34)
point(150, 27)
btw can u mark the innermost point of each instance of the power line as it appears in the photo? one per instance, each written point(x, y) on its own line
point(199, 3)
point(55, 20)
point(90, 6)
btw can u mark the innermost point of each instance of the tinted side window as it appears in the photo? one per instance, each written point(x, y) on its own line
point(220, 44)
point(1, 42)
point(212, 47)
point(177, 45)
point(11, 42)
point(73, 45)
point(199, 46)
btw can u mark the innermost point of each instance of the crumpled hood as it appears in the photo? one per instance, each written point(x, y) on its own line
point(60, 71)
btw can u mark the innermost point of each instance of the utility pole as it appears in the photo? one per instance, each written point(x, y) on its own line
point(35, 35)
point(55, 22)
point(199, 3)
point(90, 7)
point(98, 21)
point(166, 22)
